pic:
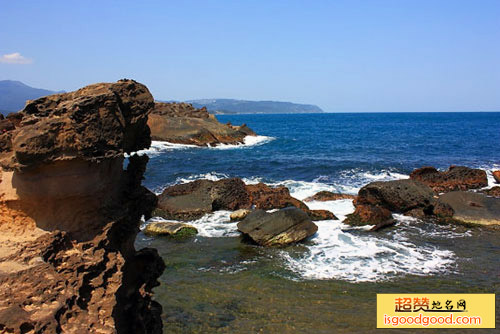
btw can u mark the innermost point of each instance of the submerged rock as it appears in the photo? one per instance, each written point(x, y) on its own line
point(173, 229)
point(69, 214)
point(455, 178)
point(324, 196)
point(239, 214)
point(282, 227)
point(473, 208)
point(183, 124)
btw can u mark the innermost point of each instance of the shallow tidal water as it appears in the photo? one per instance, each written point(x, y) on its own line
point(215, 283)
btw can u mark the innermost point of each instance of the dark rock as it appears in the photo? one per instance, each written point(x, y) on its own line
point(194, 199)
point(455, 178)
point(398, 196)
point(282, 227)
point(323, 196)
point(473, 208)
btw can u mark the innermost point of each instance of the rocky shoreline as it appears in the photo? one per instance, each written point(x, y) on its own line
point(70, 212)
point(181, 123)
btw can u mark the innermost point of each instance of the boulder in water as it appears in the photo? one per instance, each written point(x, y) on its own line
point(455, 178)
point(172, 229)
point(282, 227)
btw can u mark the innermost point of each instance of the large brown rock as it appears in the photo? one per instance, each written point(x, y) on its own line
point(455, 178)
point(192, 200)
point(398, 196)
point(69, 215)
point(377, 200)
point(279, 228)
point(183, 124)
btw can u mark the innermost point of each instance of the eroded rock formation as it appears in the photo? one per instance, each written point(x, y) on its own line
point(69, 214)
point(181, 123)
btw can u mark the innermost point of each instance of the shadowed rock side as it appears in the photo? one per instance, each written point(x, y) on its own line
point(192, 200)
point(69, 214)
point(181, 123)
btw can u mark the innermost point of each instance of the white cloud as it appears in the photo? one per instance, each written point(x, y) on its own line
point(15, 58)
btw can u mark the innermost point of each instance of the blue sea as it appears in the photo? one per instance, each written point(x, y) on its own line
point(216, 283)
point(341, 150)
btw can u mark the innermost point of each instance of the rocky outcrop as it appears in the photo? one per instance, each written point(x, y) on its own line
point(69, 214)
point(171, 229)
point(493, 191)
point(455, 178)
point(279, 228)
point(473, 208)
point(377, 200)
point(324, 196)
point(183, 124)
point(193, 200)
point(496, 176)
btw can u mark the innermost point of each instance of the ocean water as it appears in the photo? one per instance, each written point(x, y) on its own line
point(214, 280)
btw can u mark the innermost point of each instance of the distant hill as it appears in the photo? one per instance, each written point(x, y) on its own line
point(13, 95)
point(230, 106)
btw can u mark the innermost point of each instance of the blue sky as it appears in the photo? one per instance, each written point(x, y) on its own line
point(345, 56)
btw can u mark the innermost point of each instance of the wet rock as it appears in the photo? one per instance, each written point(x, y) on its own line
point(398, 196)
point(192, 200)
point(69, 214)
point(324, 196)
point(321, 215)
point(496, 176)
point(239, 214)
point(473, 208)
point(172, 229)
point(282, 227)
point(369, 215)
point(183, 124)
point(455, 178)
point(267, 198)
point(494, 191)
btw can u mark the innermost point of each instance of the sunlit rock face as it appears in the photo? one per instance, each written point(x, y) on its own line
point(69, 214)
